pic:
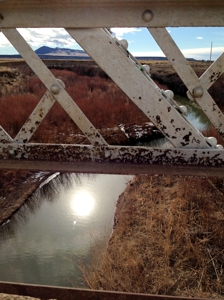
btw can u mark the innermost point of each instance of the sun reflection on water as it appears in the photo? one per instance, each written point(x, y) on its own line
point(83, 203)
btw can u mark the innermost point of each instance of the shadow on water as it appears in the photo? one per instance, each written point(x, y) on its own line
point(46, 192)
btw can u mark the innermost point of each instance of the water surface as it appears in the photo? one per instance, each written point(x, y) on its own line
point(46, 243)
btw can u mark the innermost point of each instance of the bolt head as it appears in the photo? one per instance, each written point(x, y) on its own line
point(147, 15)
point(169, 94)
point(189, 96)
point(55, 89)
point(212, 141)
point(147, 68)
point(61, 83)
point(124, 43)
point(183, 108)
point(197, 92)
point(219, 147)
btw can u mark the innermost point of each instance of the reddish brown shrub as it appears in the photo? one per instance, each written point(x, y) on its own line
point(15, 109)
point(104, 104)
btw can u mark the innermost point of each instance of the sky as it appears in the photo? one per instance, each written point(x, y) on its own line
point(193, 42)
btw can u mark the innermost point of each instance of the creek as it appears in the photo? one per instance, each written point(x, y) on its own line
point(195, 115)
point(49, 237)
point(47, 240)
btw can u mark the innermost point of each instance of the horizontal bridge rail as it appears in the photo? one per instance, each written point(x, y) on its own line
point(61, 293)
point(113, 159)
point(110, 13)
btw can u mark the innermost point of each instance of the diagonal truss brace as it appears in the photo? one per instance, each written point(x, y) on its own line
point(52, 85)
point(35, 119)
point(189, 77)
point(4, 136)
point(124, 71)
point(213, 72)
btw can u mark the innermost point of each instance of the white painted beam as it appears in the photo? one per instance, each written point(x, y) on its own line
point(189, 77)
point(113, 159)
point(103, 48)
point(4, 136)
point(35, 119)
point(85, 14)
point(213, 73)
point(53, 86)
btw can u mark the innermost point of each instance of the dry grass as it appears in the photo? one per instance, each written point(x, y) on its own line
point(168, 239)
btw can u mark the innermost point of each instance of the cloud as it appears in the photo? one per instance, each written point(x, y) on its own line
point(199, 38)
point(52, 37)
point(203, 53)
point(4, 41)
point(119, 32)
point(199, 53)
point(148, 53)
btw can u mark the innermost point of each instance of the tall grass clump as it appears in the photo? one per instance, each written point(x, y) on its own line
point(168, 239)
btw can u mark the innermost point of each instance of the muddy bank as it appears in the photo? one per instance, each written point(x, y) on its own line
point(15, 188)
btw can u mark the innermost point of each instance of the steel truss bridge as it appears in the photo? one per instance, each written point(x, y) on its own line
point(88, 22)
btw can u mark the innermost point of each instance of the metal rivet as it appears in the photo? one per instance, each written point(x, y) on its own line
point(55, 89)
point(212, 141)
point(197, 92)
point(169, 94)
point(189, 96)
point(124, 43)
point(147, 15)
point(219, 147)
point(147, 68)
point(183, 109)
point(61, 83)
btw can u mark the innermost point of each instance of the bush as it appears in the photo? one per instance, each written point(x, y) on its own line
point(103, 103)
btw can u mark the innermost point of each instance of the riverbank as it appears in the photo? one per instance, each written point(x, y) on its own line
point(168, 239)
point(16, 186)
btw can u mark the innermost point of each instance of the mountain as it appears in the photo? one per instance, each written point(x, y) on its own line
point(44, 50)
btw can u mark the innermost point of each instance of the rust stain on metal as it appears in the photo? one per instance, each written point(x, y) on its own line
point(117, 154)
point(187, 137)
point(214, 76)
